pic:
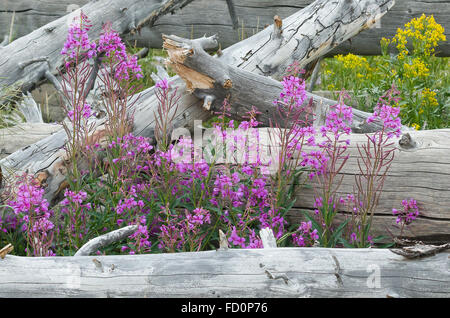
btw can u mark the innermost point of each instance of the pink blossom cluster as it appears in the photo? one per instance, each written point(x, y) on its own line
point(112, 46)
point(82, 112)
point(389, 116)
point(409, 213)
point(239, 240)
point(141, 238)
point(32, 209)
point(387, 113)
point(293, 93)
point(338, 120)
point(306, 235)
point(78, 39)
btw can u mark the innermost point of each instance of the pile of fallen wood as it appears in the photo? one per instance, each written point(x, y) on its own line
point(248, 74)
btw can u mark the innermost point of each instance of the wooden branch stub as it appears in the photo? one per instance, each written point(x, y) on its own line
point(106, 239)
point(5, 250)
point(207, 101)
point(267, 238)
point(180, 49)
point(223, 242)
point(277, 25)
point(407, 142)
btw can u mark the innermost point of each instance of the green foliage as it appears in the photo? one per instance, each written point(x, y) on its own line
point(148, 66)
point(422, 78)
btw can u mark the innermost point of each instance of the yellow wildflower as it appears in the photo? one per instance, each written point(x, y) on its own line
point(424, 33)
point(416, 69)
point(415, 126)
point(352, 61)
point(429, 98)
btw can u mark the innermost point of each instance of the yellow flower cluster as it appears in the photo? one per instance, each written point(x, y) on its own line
point(417, 69)
point(415, 126)
point(424, 33)
point(429, 98)
point(352, 61)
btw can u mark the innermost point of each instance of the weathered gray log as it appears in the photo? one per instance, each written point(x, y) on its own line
point(421, 172)
point(23, 135)
point(259, 273)
point(48, 40)
point(200, 17)
point(44, 158)
point(96, 243)
point(323, 26)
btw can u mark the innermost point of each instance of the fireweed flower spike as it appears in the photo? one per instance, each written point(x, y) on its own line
point(32, 210)
point(376, 156)
point(409, 213)
point(112, 46)
point(77, 42)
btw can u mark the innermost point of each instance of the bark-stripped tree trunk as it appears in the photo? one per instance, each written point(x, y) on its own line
point(305, 35)
point(259, 273)
point(28, 58)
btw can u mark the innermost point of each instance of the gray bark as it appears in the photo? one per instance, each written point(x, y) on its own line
point(256, 273)
point(30, 110)
point(200, 17)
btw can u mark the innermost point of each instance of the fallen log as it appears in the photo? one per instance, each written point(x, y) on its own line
point(45, 157)
point(251, 16)
point(420, 171)
point(22, 135)
point(30, 57)
point(255, 273)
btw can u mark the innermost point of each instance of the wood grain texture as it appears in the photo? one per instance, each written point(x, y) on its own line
point(200, 17)
point(23, 135)
point(256, 273)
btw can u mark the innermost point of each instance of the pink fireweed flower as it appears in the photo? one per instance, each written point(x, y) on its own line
point(113, 47)
point(82, 112)
point(163, 84)
point(77, 41)
point(235, 239)
point(389, 116)
point(32, 208)
point(293, 93)
point(141, 242)
point(199, 217)
point(306, 236)
point(409, 213)
point(338, 120)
